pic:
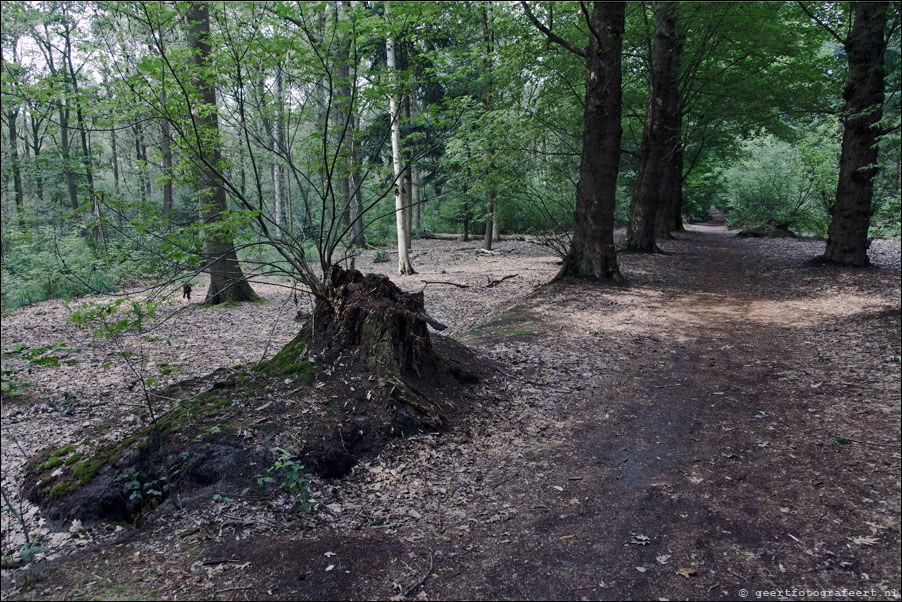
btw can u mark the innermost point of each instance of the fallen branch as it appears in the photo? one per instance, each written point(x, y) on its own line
point(443, 282)
point(499, 281)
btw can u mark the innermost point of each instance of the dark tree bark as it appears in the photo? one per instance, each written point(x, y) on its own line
point(592, 253)
point(670, 204)
point(640, 234)
point(37, 143)
point(141, 160)
point(355, 200)
point(227, 282)
point(13, 116)
point(166, 147)
point(847, 237)
point(488, 47)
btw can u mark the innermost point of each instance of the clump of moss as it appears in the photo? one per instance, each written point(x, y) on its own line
point(288, 362)
point(63, 489)
point(74, 458)
point(55, 458)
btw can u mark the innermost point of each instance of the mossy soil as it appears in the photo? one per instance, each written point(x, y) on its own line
point(219, 437)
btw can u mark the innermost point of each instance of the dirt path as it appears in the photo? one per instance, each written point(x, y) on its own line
point(729, 422)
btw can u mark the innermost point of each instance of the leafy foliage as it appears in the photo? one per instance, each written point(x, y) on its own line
point(778, 184)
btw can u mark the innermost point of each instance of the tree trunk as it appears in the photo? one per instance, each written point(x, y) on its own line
point(417, 201)
point(655, 135)
point(13, 116)
point(487, 42)
point(408, 180)
point(166, 147)
point(36, 145)
point(140, 162)
point(278, 137)
point(227, 282)
point(592, 253)
point(847, 237)
point(466, 187)
point(354, 181)
point(71, 187)
point(672, 183)
point(404, 265)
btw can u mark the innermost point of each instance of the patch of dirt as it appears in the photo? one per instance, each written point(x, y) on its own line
point(729, 421)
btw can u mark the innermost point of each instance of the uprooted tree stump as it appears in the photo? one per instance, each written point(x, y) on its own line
point(362, 371)
point(386, 328)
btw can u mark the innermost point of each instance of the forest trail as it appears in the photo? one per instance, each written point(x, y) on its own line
point(706, 430)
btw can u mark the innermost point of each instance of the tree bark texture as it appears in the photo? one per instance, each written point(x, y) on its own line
point(227, 282)
point(668, 215)
point(488, 43)
point(640, 235)
point(847, 237)
point(13, 115)
point(592, 253)
point(278, 137)
point(404, 265)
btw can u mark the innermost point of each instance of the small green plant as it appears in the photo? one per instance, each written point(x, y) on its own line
point(287, 473)
point(115, 321)
point(380, 256)
point(144, 490)
point(22, 359)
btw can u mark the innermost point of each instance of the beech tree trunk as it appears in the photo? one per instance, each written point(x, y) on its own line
point(668, 215)
point(404, 265)
point(278, 137)
point(71, 187)
point(354, 180)
point(13, 115)
point(488, 43)
point(847, 237)
point(592, 253)
point(227, 282)
point(640, 234)
point(408, 180)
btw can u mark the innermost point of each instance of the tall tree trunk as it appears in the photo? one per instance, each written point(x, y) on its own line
point(71, 187)
point(417, 201)
point(13, 116)
point(278, 137)
point(487, 42)
point(141, 162)
point(404, 265)
point(408, 179)
point(114, 145)
point(355, 200)
point(227, 282)
point(592, 253)
point(655, 135)
point(671, 187)
point(466, 187)
point(166, 147)
point(37, 172)
point(847, 237)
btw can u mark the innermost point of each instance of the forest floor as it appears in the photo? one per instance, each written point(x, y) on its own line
point(726, 426)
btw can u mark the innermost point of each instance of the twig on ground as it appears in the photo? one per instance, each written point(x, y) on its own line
point(422, 580)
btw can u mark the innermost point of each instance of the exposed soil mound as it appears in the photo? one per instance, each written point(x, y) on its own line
point(363, 370)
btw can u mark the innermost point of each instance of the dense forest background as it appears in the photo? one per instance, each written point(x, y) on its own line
point(112, 110)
